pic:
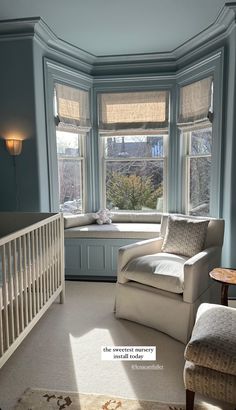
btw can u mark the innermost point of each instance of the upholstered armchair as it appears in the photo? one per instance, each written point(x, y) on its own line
point(162, 281)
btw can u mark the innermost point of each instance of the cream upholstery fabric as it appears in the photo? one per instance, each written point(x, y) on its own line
point(213, 341)
point(137, 217)
point(215, 229)
point(161, 270)
point(115, 230)
point(78, 220)
point(184, 236)
point(166, 311)
point(210, 368)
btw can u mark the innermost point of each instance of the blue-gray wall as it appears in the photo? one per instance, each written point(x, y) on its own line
point(229, 153)
point(17, 116)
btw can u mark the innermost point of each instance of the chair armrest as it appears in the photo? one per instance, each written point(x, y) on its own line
point(129, 252)
point(196, 272)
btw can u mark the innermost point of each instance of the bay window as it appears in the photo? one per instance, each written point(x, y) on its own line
point(195, 123)
point(72, 126)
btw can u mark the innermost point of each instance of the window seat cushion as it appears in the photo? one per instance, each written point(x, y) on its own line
point(115, 230)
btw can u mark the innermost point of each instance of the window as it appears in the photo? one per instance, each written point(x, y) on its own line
point(70, 171)
point(195, 119)
point(72, 126)
point(198, 171)
point(134, 129)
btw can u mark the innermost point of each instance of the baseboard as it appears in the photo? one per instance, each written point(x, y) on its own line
point(86, 278)
point(232, 302)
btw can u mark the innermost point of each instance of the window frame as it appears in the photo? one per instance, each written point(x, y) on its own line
point(209, 66)
point(58, 73)
point(188, 157)
point(103, 159)
point(114, 84)
point(81, 159)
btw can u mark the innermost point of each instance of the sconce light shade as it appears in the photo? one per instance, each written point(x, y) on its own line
point(14, 146)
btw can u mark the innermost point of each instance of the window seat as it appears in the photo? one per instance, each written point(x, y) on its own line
point(91, 249)
point(121, 230)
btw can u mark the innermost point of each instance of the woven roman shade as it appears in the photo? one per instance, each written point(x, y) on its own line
point(133, 112)
point(196, 104)
point(72, 105)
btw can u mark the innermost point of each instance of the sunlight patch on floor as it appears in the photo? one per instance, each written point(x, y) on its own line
point(85, 350)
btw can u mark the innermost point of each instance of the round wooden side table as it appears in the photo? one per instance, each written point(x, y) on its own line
point(226, 277)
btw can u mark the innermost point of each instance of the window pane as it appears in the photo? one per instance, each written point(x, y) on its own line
point(68, 144)
point(69, 171)
point(134, 185)
point(201, 142)
point(134, 146)
point(200, 185)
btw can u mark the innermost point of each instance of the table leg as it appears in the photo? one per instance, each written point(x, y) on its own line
point(224, 294)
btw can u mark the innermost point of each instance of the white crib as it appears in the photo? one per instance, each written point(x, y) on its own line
point(31, 273)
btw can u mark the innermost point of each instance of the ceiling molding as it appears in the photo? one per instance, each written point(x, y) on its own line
point(166, 62)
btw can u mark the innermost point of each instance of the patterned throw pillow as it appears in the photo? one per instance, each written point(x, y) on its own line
point(184, 236)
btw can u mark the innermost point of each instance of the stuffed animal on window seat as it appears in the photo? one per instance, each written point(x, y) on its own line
point(103, 216)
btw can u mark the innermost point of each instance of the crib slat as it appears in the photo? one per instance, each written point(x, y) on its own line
point(53, 257)
point(21, 286)
point(37, 267)
point(10, 294)
point(1, 324)
point(25, 281)
point(5, 298)
point(62, 272)
point(44, 267)
point(50, 258)
point(33, 284)
point(59, 258)
point(48, 263)
point(56, 255)
point(41, 267)
point(16, 287)
point(29, 276)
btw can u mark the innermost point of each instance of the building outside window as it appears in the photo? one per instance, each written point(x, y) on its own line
point(195, 123)
point(133, 131)
point(72, 127)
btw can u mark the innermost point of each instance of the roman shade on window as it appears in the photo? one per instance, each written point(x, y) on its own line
point(196, 104)
point(72, 105)
point(133, 112)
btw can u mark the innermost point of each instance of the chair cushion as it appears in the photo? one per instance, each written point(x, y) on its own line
point(213, 341)
point(184, 236)
point(161, 270)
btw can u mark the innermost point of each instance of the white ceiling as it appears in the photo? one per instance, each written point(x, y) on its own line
point(115, 27)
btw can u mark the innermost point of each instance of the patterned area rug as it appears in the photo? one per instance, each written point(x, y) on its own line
point(35, 399)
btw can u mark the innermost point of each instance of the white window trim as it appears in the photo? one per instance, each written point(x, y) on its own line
point(103, 159)
point(82, 159)
point(186, 185)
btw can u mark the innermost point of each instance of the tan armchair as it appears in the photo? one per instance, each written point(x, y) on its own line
point(163, 290)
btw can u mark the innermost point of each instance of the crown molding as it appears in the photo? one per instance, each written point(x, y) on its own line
point(231, 5)
point(98, 66)
point(170, 61)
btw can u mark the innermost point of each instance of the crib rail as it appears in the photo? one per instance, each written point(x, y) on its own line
point(32, 277)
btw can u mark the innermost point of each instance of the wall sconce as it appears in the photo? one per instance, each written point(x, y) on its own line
point(14, 146)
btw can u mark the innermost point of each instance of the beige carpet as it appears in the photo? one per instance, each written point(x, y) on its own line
point(35, 399)
point(63, 353)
